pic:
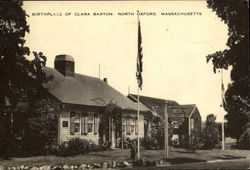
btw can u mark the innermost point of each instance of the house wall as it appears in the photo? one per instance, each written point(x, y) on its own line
point(65, 134)
point(141, 125)
point(196, 121)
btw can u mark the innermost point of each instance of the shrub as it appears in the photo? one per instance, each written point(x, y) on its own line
point(244, 141)
point(77, 146)
point(210, 135)
point(193, 142)
point(156, 138)
point(93, 147)
point(149, 142)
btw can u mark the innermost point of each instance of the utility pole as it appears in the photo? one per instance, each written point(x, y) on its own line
point(166, 130)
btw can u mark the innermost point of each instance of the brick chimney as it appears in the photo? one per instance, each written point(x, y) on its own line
point(65, 64)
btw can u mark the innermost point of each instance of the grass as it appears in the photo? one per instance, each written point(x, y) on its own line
point(177, 155)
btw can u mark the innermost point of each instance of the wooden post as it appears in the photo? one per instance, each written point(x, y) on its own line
point(59, 128)
point(166, 130)
point(122, 132)
point(189, 130)
point(223, 135)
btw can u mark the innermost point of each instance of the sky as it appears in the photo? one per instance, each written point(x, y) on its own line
point(174, 46)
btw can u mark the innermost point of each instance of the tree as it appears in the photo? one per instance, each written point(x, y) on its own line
point(235, 15)
point(210, 135)
point(20, 79)
point(155, 138)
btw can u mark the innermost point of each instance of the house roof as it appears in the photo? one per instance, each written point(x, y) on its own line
point(185, 110)
point(157, 105)
point(86, 90)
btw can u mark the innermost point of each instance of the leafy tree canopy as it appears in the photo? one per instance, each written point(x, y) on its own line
point(21, 79)
point(235, 15)
point(18, 75)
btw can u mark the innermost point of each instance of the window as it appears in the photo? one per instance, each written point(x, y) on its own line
point(128, 126)
point(136, 126)
point(77, 127)
point(131, 126)
point(89, 123)
point(90, 128)
point(192, 124)
point(84, 119)
point(77, 123)
point(65, 124)
point(123, 125)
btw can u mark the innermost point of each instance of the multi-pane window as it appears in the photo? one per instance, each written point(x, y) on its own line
point(89, 123)
point(84, 125)
point(136, 126)
point(131, 126)
point(90, 128)
point(128, 126)
point(123, 125)
point(77, 123)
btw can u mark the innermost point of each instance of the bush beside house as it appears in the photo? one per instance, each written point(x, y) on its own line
point(210, 135)
point(244, 141)
point(77, 146)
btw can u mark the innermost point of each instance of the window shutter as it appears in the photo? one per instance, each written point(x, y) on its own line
point(82, 123)
point(86, 124)
point(72, 123)
point(128, 126)
point(95, 124)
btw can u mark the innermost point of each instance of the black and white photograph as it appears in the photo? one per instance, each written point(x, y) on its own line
point(124, 85)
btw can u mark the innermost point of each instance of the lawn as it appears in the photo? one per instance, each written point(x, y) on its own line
point(176, 154)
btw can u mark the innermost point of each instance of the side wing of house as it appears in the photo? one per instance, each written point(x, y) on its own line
point(129, 125)
point(195, 121)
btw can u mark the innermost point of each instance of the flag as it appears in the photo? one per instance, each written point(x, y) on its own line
point(139, 58)
point(224, 103)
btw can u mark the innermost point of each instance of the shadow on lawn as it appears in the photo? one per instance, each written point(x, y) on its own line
point(101, 155)
point(228, 157)
point(186, 152)
point(181, 160)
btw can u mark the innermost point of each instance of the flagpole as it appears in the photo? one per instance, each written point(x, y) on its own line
point(138, 106)
point(138, 116)
point(166, 130)
point(222, 105)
